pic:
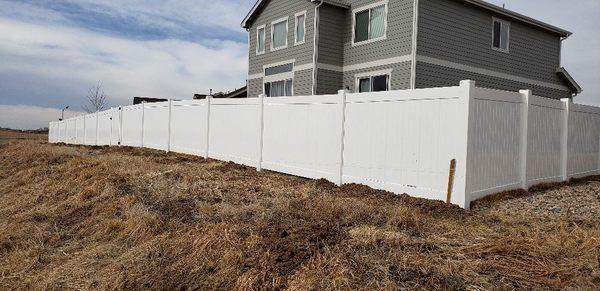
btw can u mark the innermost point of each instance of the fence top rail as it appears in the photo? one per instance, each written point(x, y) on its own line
point(497, 95)
point(131, 107)
point(189, 102)
point(546, 102)
point(441, 93)
point(241, 101)
point(303, 100)
point(584, 108)
point(156, 104)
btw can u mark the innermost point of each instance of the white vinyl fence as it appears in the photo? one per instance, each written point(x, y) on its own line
point(401, 141)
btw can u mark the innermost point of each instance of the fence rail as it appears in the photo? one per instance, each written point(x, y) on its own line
point(401, 141)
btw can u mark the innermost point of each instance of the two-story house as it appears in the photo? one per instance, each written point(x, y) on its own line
point(313, 47)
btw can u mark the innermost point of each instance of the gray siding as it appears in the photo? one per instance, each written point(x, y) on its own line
point(331, 40)
point(398, 38)
point(273, 10)
point(460, 33)
point(303, 83)
point(429, 75)
point(255, 87)
point(329, 82)
point(400, 76)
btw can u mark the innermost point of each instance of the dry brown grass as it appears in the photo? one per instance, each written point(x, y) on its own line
point(123, 218)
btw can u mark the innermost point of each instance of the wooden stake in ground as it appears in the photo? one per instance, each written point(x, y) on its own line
point(451, 180)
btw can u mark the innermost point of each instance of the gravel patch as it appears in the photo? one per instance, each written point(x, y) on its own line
point(580, 201)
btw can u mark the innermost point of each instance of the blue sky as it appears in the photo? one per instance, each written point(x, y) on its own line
point(51, 52)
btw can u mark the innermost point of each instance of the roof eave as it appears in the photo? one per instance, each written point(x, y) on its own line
point(570, 79)
point(521, 17)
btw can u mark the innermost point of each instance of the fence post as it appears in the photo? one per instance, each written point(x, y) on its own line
point(208, 101)
point(342, 104)
point(97, 127)
point(261, 128)
point(169, 130)
point(120, 126)
point(564, 148)
point(143, 111)
point(112, 110)
point(526, 96)
point(462, 196)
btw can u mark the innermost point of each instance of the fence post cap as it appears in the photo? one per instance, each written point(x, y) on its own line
point(470, 83)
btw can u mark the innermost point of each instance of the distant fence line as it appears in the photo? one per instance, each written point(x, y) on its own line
point(401, 141)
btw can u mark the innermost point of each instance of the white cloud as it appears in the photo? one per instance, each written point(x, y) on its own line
point(30, 117)
point(161, 68)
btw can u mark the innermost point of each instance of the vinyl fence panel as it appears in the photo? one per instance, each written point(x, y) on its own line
point(234, 130)
point(188, 127)
point(115, 124)
point(403, 141)
point(494, 141)
point(301, 136)
point(80, 130)
point(71, 131)
point(544, 133)
point(156, 125)
point(91, 129)
point(131, 134)
point(584, 140)
point(104, 127)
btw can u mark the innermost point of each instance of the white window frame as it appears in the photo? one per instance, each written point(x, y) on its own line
point(287, 33)
point(502, 23)
point(369, 7)
point(279, 77)
point(264, 27)
point(302, 13)
point(372, 74)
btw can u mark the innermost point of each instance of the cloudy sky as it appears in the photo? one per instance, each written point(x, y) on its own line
point(52, 51)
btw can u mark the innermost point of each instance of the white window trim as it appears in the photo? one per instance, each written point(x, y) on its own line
point(264, 27)
point(385, 22)
point(287, 28)
point(279, 77)
point(371, 74)
point(503, 22)
point(296, 42)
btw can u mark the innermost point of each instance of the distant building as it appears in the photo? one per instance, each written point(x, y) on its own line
point(139, 100)
point(237, 93)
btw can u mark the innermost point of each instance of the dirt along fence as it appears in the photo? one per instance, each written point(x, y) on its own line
point(456, 144)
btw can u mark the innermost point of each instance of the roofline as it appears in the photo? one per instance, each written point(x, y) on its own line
point(479, 3)
point(571, 80)
point(520, 17)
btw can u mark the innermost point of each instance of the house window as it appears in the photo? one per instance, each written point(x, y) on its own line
point(300, 31)
point(279, 31)
point(260, 40)
point(501, 35)
point(373, 82)
point(370, 23)
point(279, 88)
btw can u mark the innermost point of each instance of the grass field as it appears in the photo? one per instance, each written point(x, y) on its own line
point(74, 217)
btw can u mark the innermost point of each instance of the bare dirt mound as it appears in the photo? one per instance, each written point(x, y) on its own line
point(116, 218)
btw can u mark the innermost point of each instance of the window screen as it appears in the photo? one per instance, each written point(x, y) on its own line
point(377, 22)
point(279, 88)
point(373, 84)
point(280, 34)
point(300, 29)
point(261, 40)
point(501, 35)
point(380, 83)
point(361, 29)
point(364, 85)
point(369, 24)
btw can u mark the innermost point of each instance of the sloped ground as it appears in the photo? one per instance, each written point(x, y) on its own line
point(123, 218)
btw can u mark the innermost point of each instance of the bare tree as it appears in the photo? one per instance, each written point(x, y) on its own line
point(97, 99)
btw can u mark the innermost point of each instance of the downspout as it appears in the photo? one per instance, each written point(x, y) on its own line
point(413, 66)
point(315, 47)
